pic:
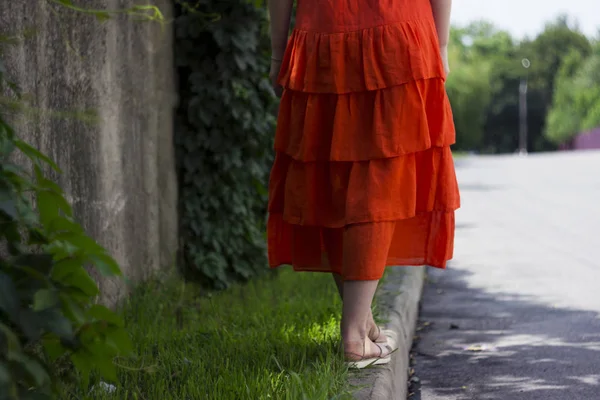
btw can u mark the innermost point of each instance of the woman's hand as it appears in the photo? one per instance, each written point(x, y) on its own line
point(273, 74)
point(444, 54)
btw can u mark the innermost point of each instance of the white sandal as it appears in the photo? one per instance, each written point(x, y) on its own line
point(367, 362)
point(380, 333)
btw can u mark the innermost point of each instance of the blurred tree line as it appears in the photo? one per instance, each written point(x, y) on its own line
point(563, 86)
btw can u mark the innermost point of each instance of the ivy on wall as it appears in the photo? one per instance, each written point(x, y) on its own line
point(224, 133)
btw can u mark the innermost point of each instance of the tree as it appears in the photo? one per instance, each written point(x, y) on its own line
point(487, 72)
point(576, 102)
point(469, 84)
point(501, 128)
point(484, 67)
point(547, 53)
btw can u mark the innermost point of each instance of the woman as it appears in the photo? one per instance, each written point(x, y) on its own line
point(363, 176)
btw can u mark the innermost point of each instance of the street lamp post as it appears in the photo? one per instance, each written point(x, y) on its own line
point(523, 109)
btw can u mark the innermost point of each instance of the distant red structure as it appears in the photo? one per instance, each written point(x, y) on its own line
point(583, 141)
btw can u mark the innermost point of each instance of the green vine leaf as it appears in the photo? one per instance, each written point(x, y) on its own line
point(224, 136)
point(101, 313)
point(34, 369)
point(106, 265)
point(12, 342)
point(35, 155)
point(45, 299)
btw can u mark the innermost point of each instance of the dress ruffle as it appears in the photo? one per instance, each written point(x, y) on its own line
point(365, 125)
point(426, 239)
point(362, 60)
point(337, 194)
point(363, 175)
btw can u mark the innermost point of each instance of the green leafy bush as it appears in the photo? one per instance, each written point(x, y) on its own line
point(48, 312)
point(224, 134)
point(576, 100)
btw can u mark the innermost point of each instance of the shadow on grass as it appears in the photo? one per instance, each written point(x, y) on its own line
point(480, 345)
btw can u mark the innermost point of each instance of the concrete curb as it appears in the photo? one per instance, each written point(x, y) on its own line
point(390, 382)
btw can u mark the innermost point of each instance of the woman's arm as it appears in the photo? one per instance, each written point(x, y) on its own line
point(280, 12)
point(441, 15)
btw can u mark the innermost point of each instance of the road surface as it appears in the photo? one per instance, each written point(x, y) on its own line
point(516, 315)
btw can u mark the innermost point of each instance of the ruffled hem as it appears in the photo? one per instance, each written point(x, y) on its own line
point(426, 239)
point(337, 194)
point(365, 125)
point(363, 60)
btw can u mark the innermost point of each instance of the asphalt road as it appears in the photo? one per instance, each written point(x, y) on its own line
point(517, 314)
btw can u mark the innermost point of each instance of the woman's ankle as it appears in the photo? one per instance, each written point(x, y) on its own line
point(354, 351)
point(354, 336)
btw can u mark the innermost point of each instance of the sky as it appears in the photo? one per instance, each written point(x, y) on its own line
point(527, 17)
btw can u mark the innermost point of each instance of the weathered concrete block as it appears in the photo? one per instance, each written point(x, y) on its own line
point(118, 171)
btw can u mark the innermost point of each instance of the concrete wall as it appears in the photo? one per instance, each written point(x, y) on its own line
point(119, 171)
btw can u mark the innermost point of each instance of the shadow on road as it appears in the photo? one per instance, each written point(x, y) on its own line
point(478, 345)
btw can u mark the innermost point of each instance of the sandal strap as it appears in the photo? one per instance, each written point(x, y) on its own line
point(380, 350)
point(362, 356)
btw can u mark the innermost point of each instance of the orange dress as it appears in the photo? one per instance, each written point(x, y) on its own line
point(363, 176)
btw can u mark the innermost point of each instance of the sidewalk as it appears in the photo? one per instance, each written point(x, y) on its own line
point(516, 315)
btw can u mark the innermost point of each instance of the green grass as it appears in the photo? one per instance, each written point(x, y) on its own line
point(273, 338)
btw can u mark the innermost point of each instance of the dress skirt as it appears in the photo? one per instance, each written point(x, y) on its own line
point(363, 176)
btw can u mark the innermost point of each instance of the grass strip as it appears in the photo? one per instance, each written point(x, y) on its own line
point(273, 338)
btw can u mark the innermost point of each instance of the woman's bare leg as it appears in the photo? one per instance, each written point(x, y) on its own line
point(356, 311)
point(373, 331)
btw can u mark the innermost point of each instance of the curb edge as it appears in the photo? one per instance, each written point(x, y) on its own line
point(391, 382)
